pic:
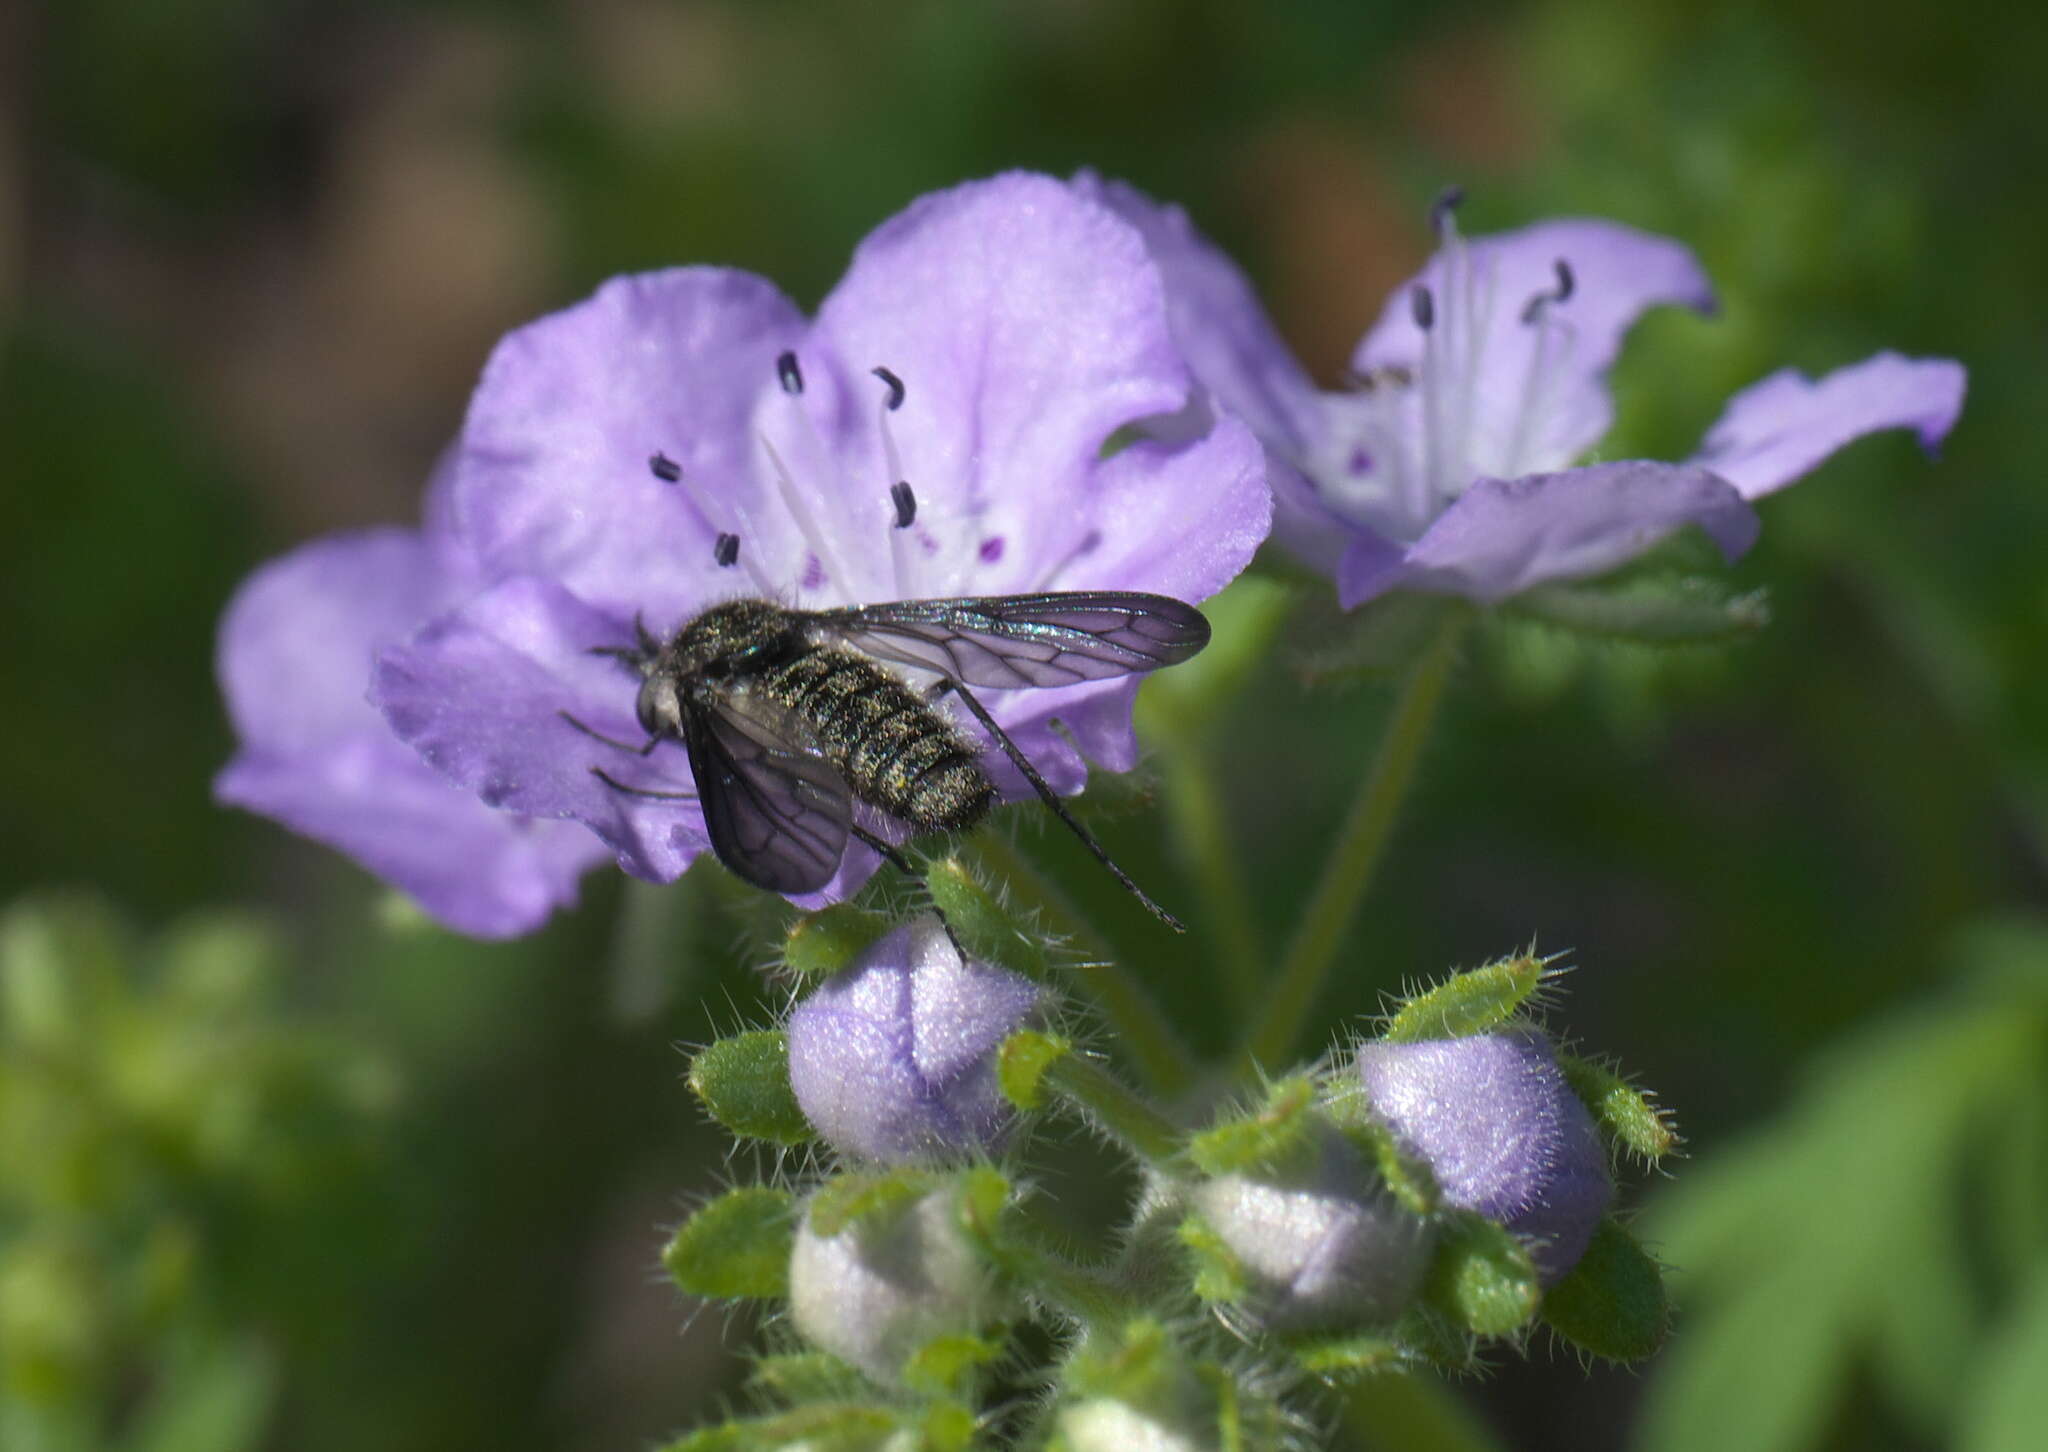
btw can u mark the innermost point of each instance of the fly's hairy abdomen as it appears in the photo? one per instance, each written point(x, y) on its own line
point(895, 751)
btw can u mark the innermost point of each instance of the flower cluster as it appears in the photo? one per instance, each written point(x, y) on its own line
point(1441, 1182)
point(622, 630)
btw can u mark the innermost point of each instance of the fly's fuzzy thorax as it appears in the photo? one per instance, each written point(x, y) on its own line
point(735, 638)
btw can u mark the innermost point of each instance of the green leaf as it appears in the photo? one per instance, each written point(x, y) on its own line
point(63, 961)
point(216, 1401)
point(1648, 610)
point(1416, 1413)
point(1481, 1277)
point(1472, 1002)
point(1758, 1374)
point(1612, 1303)
point(2007, 1408)
point(1624, 1113)
point(1382, 637)
point(744, 1083)
point(729, 1438)
point(1243, 620)
point(218, 963)
point(738, 1245)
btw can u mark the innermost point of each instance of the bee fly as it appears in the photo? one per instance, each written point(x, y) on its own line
point(791, 716)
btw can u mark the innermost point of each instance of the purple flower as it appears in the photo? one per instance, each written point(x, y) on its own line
point(886, 1285)
point(1502, 1132)
point(894, 1059)
point(296, 646)
point(985, 348)
point(1325, 1246)
point(1449, 466)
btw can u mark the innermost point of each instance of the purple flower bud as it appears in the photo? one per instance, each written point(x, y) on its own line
point(889, 1283)
point(1322, 1246)
point(1502, 1132)
point(894, 1060)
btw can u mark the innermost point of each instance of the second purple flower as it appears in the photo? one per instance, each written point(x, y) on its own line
point(1454, 463)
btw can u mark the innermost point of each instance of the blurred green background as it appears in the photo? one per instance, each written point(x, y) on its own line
point(331, 1179)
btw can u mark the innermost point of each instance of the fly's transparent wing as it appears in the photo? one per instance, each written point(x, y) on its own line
point(1012, 641)
point(776, 809)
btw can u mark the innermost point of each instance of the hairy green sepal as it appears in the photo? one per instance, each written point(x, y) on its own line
point(1470, 1003)
point(1624, 1113)
point(744, 1082)
point(1613, 1303)
point(738, 1245)
point(829, 940)
point(1481, 1277)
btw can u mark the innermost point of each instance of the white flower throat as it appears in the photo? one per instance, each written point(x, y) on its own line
point(922, 561)
point(1471, 393)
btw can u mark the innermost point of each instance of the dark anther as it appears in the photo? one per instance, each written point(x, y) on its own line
point(792, 376)
point(895, 385)
point(726, 551)
point(905, 500)
point(1566, 282)
point(1447, 201)
point(667, 470)
point(1423, 306)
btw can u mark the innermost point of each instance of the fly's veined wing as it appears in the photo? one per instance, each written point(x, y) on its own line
point(777, 811)
point(1013, 641)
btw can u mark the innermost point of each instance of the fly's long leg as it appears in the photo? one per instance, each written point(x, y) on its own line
point(894, 856)
point(1051, 798)
point(887, 850)
point(632, 791)
point(644, 749)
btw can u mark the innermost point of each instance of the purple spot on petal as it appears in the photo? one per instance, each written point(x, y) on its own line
point(926, 543)
point(991, 549)
point(1360, 462)
point(1089, 545)
point(814, 573)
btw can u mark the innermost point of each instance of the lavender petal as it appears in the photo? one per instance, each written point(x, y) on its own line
point(1776, 430)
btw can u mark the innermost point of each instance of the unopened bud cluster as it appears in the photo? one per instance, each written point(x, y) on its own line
point(1436, 1187)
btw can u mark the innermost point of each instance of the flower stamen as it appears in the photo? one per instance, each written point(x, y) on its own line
point(1545, 362)
point(894, 384)
point(827, 562)
point(901, 496)
point(668, 471)
point(1442, 211)
point(792, 501)
point(1416, 493)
